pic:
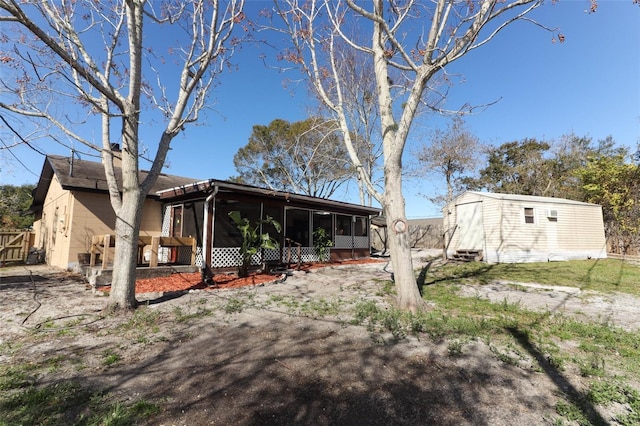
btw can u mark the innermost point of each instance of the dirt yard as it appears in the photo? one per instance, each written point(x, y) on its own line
point(279, 354)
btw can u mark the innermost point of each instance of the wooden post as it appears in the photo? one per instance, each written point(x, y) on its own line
point(25, 245)
point(194, 248)
point(155, 243)
point(106, 247)
point(92, 259)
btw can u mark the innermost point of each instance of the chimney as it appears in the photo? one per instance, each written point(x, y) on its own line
point(73, 154)
point(117, 155)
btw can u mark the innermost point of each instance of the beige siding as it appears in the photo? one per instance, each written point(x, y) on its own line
point(582, 227)
point(495, 234)
point(577, 233)
point(151, 224)
point(450, 221)
point(519, 240)
point(52, 228)
point(93, 215)
point(70, 218)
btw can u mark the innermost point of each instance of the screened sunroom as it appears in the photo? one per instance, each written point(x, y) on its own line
point(201, 210)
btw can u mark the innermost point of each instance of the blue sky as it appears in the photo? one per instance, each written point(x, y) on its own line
point(588, 85)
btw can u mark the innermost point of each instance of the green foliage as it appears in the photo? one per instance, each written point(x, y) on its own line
point(141, 320)
point(515, 167)
point(68, 403)
point(608, 392)
point(388, 288)
point(322, 243)
point(14, 200)
point(454, 348)
point(239, 302)
point(572, 413)
point(110, 357)
point(604, 275)
point(182, 316)
point(307, 157)
point(614, 183)
point(252, 239)
point(533, 167)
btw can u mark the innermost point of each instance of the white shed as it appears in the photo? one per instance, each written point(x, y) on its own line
point(507, 228)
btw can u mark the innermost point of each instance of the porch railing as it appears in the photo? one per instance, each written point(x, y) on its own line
point(103, 245)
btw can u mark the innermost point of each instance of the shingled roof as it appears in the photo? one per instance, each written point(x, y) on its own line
point(82, 175)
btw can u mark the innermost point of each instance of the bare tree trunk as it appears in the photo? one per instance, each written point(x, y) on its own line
point(409, 297)
point(128, 216)
point(128, 219)
point(394, 136)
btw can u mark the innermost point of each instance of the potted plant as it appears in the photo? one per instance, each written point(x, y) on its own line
point(322, 244)
point(252, 240)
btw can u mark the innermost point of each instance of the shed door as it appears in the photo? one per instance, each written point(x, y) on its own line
point(471, 235)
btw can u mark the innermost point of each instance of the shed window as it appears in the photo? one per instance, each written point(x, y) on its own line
point(528, 215)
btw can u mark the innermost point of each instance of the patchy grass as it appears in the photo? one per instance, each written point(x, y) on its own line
point(235, 305)
point(605, 275)
point(555, 345)
point(110, 357)
point(143, 319)
point(606, 357)
point(185, 315)
point(603, 358)
point(25, 401)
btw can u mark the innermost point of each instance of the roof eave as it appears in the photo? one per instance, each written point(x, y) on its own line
point(209, 185)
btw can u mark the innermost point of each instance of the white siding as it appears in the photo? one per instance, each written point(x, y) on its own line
point(576, 233)
point(470, 234)
point(451, 219)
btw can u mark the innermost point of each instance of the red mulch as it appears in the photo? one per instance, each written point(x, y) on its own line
point(193, 280)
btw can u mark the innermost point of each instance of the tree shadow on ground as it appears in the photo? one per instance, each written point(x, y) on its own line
point(573, 395)
point(297, 371)
point(471, 273)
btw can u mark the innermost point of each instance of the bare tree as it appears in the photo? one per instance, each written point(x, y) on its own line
point(99, 58)
point(411, 45)
point(451, 153)
point(360, 105)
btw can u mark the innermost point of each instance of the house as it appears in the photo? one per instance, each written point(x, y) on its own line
point(71, 204)
point(507, 228)
point(201, 210)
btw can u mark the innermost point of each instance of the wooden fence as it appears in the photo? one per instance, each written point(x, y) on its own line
point(14, 245)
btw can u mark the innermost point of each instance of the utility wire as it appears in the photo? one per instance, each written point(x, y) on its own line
point(23, 140)
point(15, 132)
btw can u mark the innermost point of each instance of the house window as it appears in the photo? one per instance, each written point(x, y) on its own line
point(361, 226)
point(343, 225)
point(297, 226)
point(226, 232)
point(528, 215)
point(323, 220)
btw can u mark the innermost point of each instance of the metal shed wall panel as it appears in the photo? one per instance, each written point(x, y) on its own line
point(576, 233)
